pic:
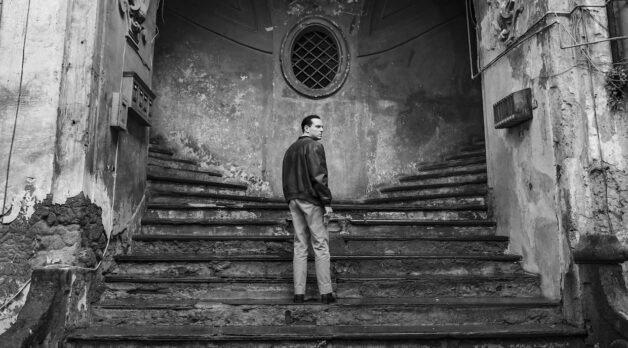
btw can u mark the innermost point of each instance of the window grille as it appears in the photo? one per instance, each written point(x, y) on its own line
point(314, 58)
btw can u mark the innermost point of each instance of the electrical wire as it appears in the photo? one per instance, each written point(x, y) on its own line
point(599, 139)
point(204, 27)
point(17, 111)
point(18, 293)
point(523, 37)
point(427, 31)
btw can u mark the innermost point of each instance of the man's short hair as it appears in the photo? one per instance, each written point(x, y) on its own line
point(307, 121)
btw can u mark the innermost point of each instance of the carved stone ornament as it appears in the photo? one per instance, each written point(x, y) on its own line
point(507, 20)
point(136, 15)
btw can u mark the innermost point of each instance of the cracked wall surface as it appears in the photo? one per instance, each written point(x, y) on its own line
point(68, 234)
point(29, 98)
point(56, 143)
point(558, 176)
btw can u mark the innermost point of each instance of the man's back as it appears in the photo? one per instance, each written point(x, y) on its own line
point(304, 172)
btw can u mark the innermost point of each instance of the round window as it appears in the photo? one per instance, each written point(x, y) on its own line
point(314, 58)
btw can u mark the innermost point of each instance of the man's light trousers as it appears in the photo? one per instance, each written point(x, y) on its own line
point(307, 215)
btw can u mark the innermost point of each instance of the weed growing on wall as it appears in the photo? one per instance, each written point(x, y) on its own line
point(616, 82)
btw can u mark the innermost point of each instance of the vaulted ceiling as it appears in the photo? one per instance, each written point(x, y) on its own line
point(385, 24)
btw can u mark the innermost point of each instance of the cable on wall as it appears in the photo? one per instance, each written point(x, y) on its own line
point(17, 110)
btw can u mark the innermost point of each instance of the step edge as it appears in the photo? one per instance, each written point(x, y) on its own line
point(425, 197)
point(264, 237)
point(207, 222)
point(199, 171)
point(288, 258)
point(327, 332)
point(142, 278)
point(173, 159)
point(397, 188)
point(470, 302)
point(337, 208)
point(188, 181)
point(414, 177)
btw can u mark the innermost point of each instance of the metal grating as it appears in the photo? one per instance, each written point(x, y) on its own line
point(315, 58)
point(514, 109)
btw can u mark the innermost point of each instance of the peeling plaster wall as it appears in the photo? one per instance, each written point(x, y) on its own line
point(224, 103)
point(74, 55)
point(521, 160)
point(115, 161)
point(213, 96)
point(60, 141)
point(545, 174)
point(32, 53)
point(28, 132)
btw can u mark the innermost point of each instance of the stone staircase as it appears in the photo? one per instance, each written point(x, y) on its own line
point(418, 265)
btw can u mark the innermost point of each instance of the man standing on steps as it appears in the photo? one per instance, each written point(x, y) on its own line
point(305, 188)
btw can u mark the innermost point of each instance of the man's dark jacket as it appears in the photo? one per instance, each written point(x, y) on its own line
point(304, 172)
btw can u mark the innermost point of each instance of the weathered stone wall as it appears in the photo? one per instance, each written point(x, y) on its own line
point(547, 174)
point(115, 161)
point(69, 234)
point(58, 151)
point(31, 52)
point(226, 102)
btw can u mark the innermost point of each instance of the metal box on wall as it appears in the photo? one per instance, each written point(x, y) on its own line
point(134, 99)
point(516, 108)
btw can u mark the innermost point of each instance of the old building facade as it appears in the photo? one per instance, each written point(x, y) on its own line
point(141, 143)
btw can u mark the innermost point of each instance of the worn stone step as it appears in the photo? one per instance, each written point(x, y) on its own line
point(159, 197)
point(430, 200)
point(465, 154)
point(450, 170)
point(169, 162)
point(403, 193)
point(215, 245)
point(410, 222)
point(280, 211)
point(229, 189)
point(182, 197)
point(170, 175)
point(197, 176)
point(477, 169)
point(176, 197)
point(413, 228)
point(152, 287)
point(343, 244)
point(469, 194)
point(461, 178)
point(367, 311)
point(371, 227)
point(310, 336)
point(420, 187)
point(168, 157)
point(160, 149)
point(452, 163)
point(242, 227)
point(261, 265)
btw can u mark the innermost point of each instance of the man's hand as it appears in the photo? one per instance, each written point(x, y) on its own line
point(327, 216)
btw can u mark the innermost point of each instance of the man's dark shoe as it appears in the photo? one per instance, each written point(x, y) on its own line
point(328, 298)
point(299, 298)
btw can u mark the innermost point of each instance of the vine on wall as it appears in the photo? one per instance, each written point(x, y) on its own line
point(616, 83)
